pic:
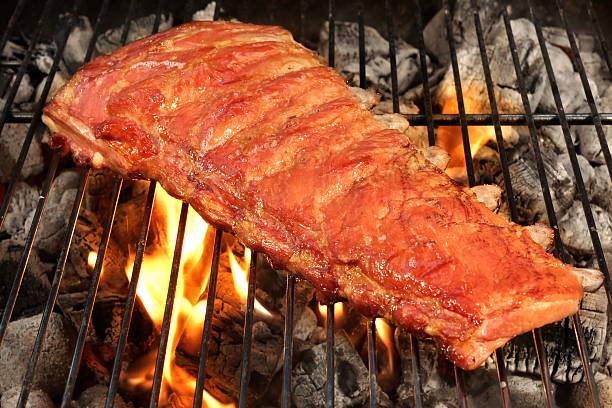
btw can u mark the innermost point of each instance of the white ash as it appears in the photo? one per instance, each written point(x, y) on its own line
point(601, 189)
point(35, 285)
point(590, 147)
point(528, 190)
point(36, 399)
point(206, 14)
point(57, 211)
point(305, 324)
point(59, 79)
point(587, 171)
point(378, 67)
point(351, 377)
point(579, 394)
point(95, 397)
point(464, 33)
point(42, 57)
point(575, 231)
point(21, 208)
point(570, 90)
point(54, 360)
point(77, 43)
point(13, 52)
point(553, 137)
point(110, 40)
point(11, 141)
point(24, 90)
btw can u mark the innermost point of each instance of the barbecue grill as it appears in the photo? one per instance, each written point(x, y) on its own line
point(428, 119)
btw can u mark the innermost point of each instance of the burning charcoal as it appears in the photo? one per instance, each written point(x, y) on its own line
point(575, 231)
point(463, 27)
point(560, 344)
point(36, 399)
point(57, 211)
point(588, 173)
point(54, 361)
point(527, 188)
point(579, 396)
point(110, 40)
point(553, 138)
point(570, 90)
point(378, 68)
point(59, 79)
point(13, 52)
point(34, 287)
point(589, 142)
point(42, 57)
point(206, 14)
point(601, 188)
point(351, 379)
point(95, 397)
point(484, 392)
point(10, 146)
point(25, 89)
point(78, 40)
point(305, 324)
point(20, 210)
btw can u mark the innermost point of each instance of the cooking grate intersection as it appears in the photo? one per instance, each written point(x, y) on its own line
point(428, 119)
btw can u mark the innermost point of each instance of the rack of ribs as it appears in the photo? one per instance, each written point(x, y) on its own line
point(266, 142)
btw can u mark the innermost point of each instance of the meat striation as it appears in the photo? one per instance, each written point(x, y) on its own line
point(265, 141)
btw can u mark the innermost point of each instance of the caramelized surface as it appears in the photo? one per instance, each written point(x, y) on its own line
point(265, 141)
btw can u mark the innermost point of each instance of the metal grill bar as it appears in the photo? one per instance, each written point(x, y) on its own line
point(599, 254)
point(165, 329)
point(24, 64)
point(462, 396)
point(23, 261)
point(467, 151)
point(245, 369)
point(372, 365)
point(499, 356)
point(552, 218)
point(55, 286)
point(600, 37)
point(448, 119)
point(288, 342)
point(35, 122)
point(414, 348)
point(12, 23)
point(131, 297)
point(431, 136)
point(210, 306)
point(330, 394)
point(91, 297)
point(587, 88)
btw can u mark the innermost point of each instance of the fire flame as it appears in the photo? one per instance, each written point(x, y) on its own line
point(384, 334)
point(449, 137)
point(338, 314)
point(91, 259)
point(239, 276)
point(188, 312)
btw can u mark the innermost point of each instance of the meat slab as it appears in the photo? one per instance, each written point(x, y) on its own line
point(266, 142)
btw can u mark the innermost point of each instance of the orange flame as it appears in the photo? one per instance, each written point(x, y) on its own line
point(239, 276)
point(188, 309)
point(450, 138)
point(91, 259)
point(384, 333)
point(339, 314)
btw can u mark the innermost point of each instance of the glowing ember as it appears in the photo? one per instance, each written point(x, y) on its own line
point(187, 316)
point(449, 137)
point(91, 259)
point(240, 277)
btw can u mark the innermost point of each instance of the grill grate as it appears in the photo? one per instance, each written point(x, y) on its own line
point(428, 119)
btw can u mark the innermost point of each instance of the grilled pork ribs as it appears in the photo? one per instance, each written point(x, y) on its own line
point(266, 142)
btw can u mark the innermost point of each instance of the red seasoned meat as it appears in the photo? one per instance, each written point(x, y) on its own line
point(266, 142)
